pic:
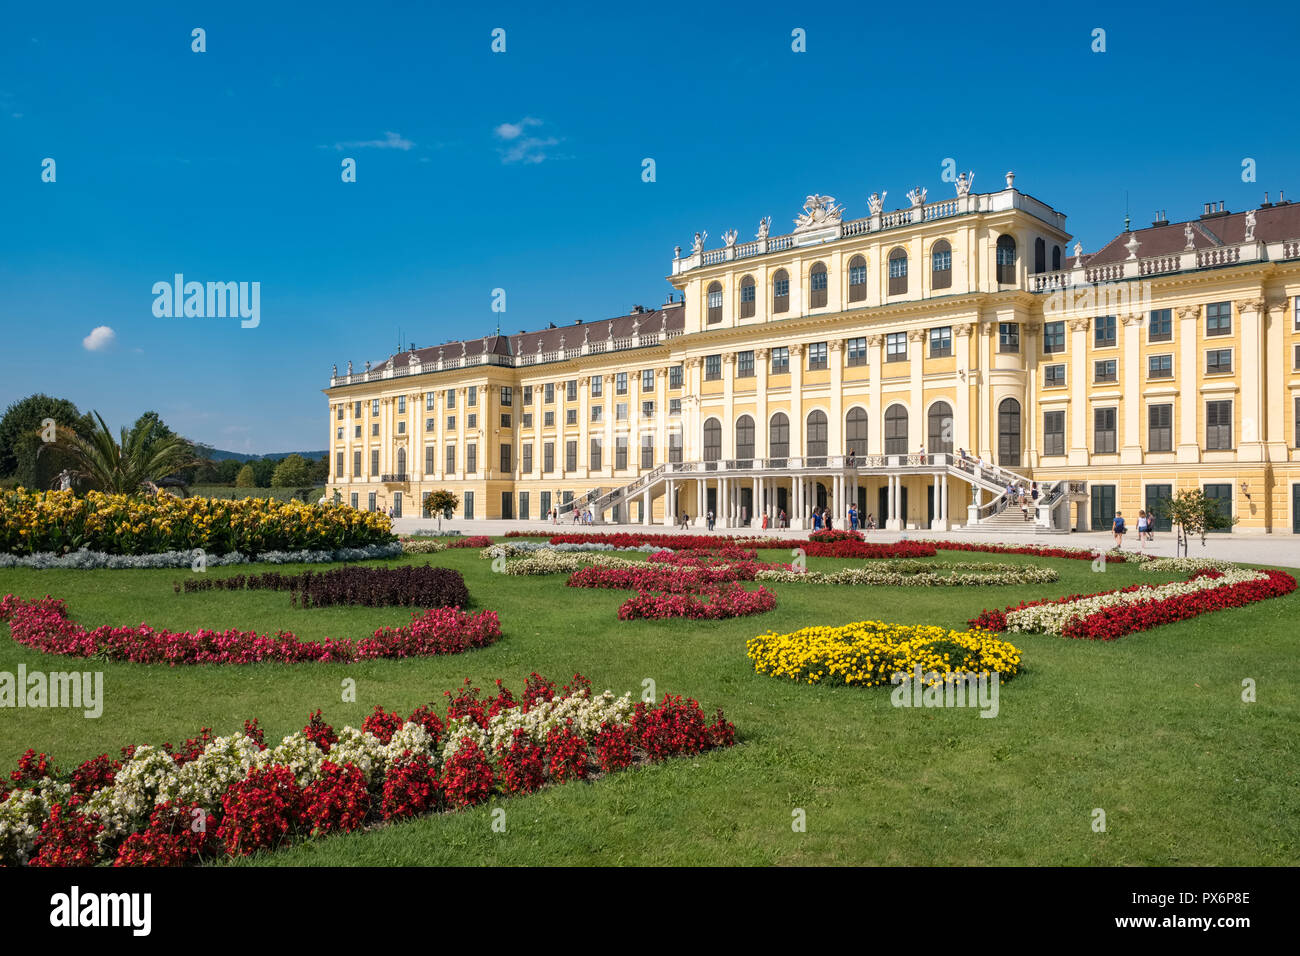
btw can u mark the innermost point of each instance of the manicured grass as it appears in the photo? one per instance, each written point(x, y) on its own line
point(1150, 728)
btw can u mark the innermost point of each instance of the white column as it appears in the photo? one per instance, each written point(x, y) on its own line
point(645, 507)
point(670, 513)
point(1189, 317)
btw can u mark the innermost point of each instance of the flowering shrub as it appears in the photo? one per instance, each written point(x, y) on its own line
point(44, 625)
point(706, 603)
point(870, 653)
point(555, 562)
point(1041, 551)
point(94, 774)
point(471, 541)
point(916, 574)
point(422, 546)
point(59, 522)
point(425, 586)
point(674, 579)
point(237, 796)
point(382, 725)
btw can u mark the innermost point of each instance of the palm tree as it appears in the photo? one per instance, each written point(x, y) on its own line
point(139, 461)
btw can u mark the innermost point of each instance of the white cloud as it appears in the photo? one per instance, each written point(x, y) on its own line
point(390, 141)
point(100, 338)
point(523, 148)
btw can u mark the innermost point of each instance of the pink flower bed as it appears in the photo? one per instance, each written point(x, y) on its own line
point(44, 625)
point(707, 603)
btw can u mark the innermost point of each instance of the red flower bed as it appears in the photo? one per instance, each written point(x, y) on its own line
point(675, 542)
point(1113, 622)
point(44, 625)
point(423, 586)
point(709, 603)
point(854, 548)
point(1038, 551)
point(268, 808)
point(473, 541)
point(674, 580)
point(821, 544)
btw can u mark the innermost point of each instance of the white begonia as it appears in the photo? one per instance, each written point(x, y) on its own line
point(22, 815)
point(586, 715)
point(1054, 618)
point(360, 748)
point(203, 780)
point(125, 806)
point(299, 753)
point(409, 737)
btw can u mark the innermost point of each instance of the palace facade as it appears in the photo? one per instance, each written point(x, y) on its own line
point(913, 362)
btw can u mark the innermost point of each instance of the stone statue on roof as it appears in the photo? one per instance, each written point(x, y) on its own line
point(764, 226)
point(1190, 234)
point(349, 366)
point(1250, 225)
point(818, 210)
point(698, 245)
point(876, 202)
point(729, 238)
point(917, 195)
point(964, 183)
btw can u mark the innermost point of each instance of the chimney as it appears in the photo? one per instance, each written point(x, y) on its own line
point(1161, 219)
point(577, 321)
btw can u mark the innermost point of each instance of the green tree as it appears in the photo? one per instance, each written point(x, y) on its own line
point(125, 465)
point(246, 478)
point(443, 503)
point(291, 472)
point(264, 470)
point(20, 436)
point(318, 472)
point(1192, 513)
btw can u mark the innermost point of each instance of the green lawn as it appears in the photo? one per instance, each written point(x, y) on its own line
point(1150, 728)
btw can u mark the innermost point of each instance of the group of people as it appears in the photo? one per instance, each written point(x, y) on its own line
point(1027, 498)
point(966, 461)
point(580, 516)
point(1146, 529)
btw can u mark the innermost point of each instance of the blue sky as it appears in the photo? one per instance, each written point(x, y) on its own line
point(225, 165)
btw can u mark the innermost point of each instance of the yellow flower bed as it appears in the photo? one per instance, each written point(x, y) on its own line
point(59, 521)
point(870, 653)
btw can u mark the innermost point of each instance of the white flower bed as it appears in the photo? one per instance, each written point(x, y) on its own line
point(917, 574)
point(1053, 618)
point(587, 714)
point(1185, 565)
point(515, 549)
point(554, 562)
point(85, 560)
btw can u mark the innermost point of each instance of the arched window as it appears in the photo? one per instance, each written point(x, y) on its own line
point(941, 265)
point(780, 292)
point(817, 285)
point(778, 444)
point(897, 272)
point(939, 429)
point(1040, 255)
point(817, 434)
point(857, 279)
point(895, 430)
point(401, 461)
point(855, 431)
point(1056, 258)
point(1006, 260)
point(1009, 433)
point(712, 440)
point(744, 438)
point(715, 302)
point(747, 296)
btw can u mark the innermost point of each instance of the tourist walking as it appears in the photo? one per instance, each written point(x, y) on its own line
point(1118, 528)
point(785, 522)
point(708, 521)
point(1142, 528)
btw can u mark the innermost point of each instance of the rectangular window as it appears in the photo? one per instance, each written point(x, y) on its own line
point(548, 419)
point(1103, 331)
point(1218, 318)
point(594, 454)
point(430, 424)
point(896, 347)
point(528, 395)
point(647, 380)
point(355, 498)
point(1160, 428)
point(1218, 425)
point(429, 401)
point(1218, 361)
point(429, 464)
point(451, 422)
point(1106, 370)
point(370, 501)
point(356, 464)
point(857, 349)
point(1160, 327)
point(507, 396)
point(471, 459)
point(1297, 422)
point(571, 390)
point(356, 410)
point(471, 421)
point(1104, 436)
point(745, 364)
point(714, 297)
point(451, 460)
point(675, 447)
point(469, 505)
point(401, 428)
point(647, 451)
point(620, 453)
point(816, 356)
point(527, 420)
point(1008, 336)
point(548, 392)
point(472, 397)
point(647, 409)
point(1160, 366)
point(450, 398)
point(505, 420)
point(546, 504)
point(374, 406)
point(570, 416)
point(747, 299)
point(356, 432)
point(675, 376)
point(1054, 433)
point(1053, 376)
point(523, 506)
point(780, 361)
point(1053, 337)
point(526, 458)
point(401, 404)
point(597, 386)
point(374, 464)
point(548, 457)
point(941, 342)
point(374, 429)
point(712, 368)
point(338, 433)
point(620, 412)
point(620, 383)
point(338, 412)
point(674, 407)
point(1295, 313)
point(570, 456)
point(597, 413)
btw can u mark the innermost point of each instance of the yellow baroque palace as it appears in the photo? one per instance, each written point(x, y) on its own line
point(912, 362)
